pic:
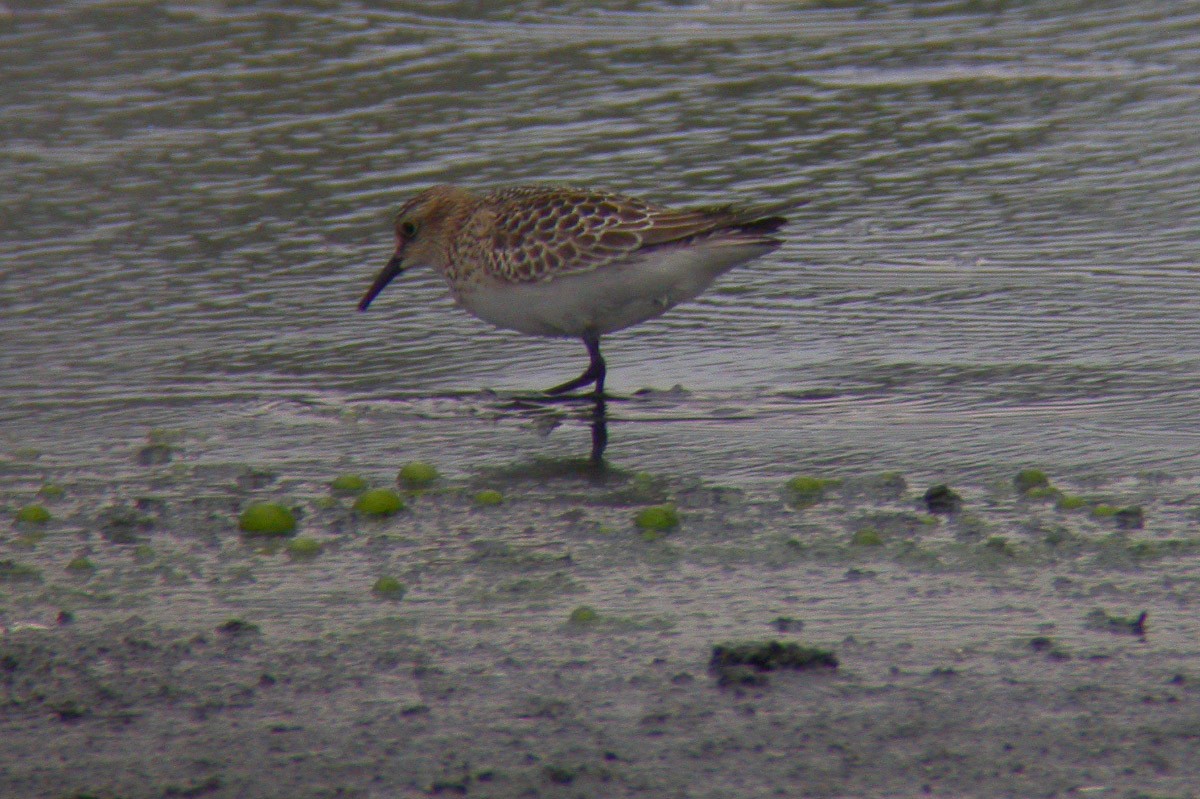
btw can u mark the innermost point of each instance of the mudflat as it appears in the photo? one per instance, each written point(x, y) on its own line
point(537, 632)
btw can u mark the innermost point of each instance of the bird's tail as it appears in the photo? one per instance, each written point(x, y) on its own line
point(754, 220)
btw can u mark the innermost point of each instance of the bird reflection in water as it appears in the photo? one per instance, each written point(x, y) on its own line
point(545, 413)
point(599, 430)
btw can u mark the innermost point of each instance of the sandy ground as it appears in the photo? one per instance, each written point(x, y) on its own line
point(181, 659)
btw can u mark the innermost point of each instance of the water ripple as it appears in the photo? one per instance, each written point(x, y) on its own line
point(997, 262)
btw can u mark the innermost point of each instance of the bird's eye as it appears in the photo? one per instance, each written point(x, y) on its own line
point(408, 229)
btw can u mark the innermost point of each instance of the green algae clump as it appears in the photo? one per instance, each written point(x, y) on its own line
point(1043, 492)
point(417, 474)
point(489, 498)
point(304, 548)
point(378, 502)
point(1029, 480)
point(238, 627)
point(866, 537)
point(999, 544)
point(889, 485)
point(267, 519)
point(51, 491)
point(941, 498)
point(583, 615)
point(80, 564)
point(772, 655)
point(1068, 502)
point(743, 662)
point(657, 518)
point(388, 587)
point(349, 484)
point(1130, 518)
point(33, 514)
point(804, 492)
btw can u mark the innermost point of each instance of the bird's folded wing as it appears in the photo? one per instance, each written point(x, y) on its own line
point(542, 233)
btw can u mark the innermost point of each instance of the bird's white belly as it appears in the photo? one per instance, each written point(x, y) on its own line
point(607, 299)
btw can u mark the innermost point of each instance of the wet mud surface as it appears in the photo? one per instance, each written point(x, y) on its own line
point(550, 646)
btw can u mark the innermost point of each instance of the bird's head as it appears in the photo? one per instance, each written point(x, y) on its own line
point(420, 229)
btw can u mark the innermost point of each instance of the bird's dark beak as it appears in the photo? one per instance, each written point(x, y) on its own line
point(393, 268)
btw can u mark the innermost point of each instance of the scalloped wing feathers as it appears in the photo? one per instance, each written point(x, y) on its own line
point(539, 233)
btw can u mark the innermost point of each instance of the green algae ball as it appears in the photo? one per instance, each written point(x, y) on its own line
point(417, 474)
point(378, 502)
point(889, 485)
point(389, 587)
point(1029, 479)
point(867, 537)
point(1043, 492)
point(51, 491)
point(33, 514)
point(941, 498)
point(165, 435)
point(657, 518)
point(238, 627)
point(349, 483)
point(804, 492)
point(267, 518)
point(583, 615)
point(1130, 518)
point(1069, 502)
point(80, 564)
point(304, 547)
point(999, 543)
point(489, 498)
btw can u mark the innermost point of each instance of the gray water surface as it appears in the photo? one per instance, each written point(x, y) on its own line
point(997, 264)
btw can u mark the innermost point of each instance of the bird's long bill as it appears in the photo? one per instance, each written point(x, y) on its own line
point(384, 277)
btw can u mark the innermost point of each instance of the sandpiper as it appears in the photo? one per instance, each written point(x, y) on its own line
point(550, 261)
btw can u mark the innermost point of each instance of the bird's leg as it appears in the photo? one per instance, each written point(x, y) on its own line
point(599, 432)
point(597, 362)
point(594, 373)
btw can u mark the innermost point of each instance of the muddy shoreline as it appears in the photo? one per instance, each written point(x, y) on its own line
point(549, 646)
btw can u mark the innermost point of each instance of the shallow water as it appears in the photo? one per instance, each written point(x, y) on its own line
point(996, 265)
